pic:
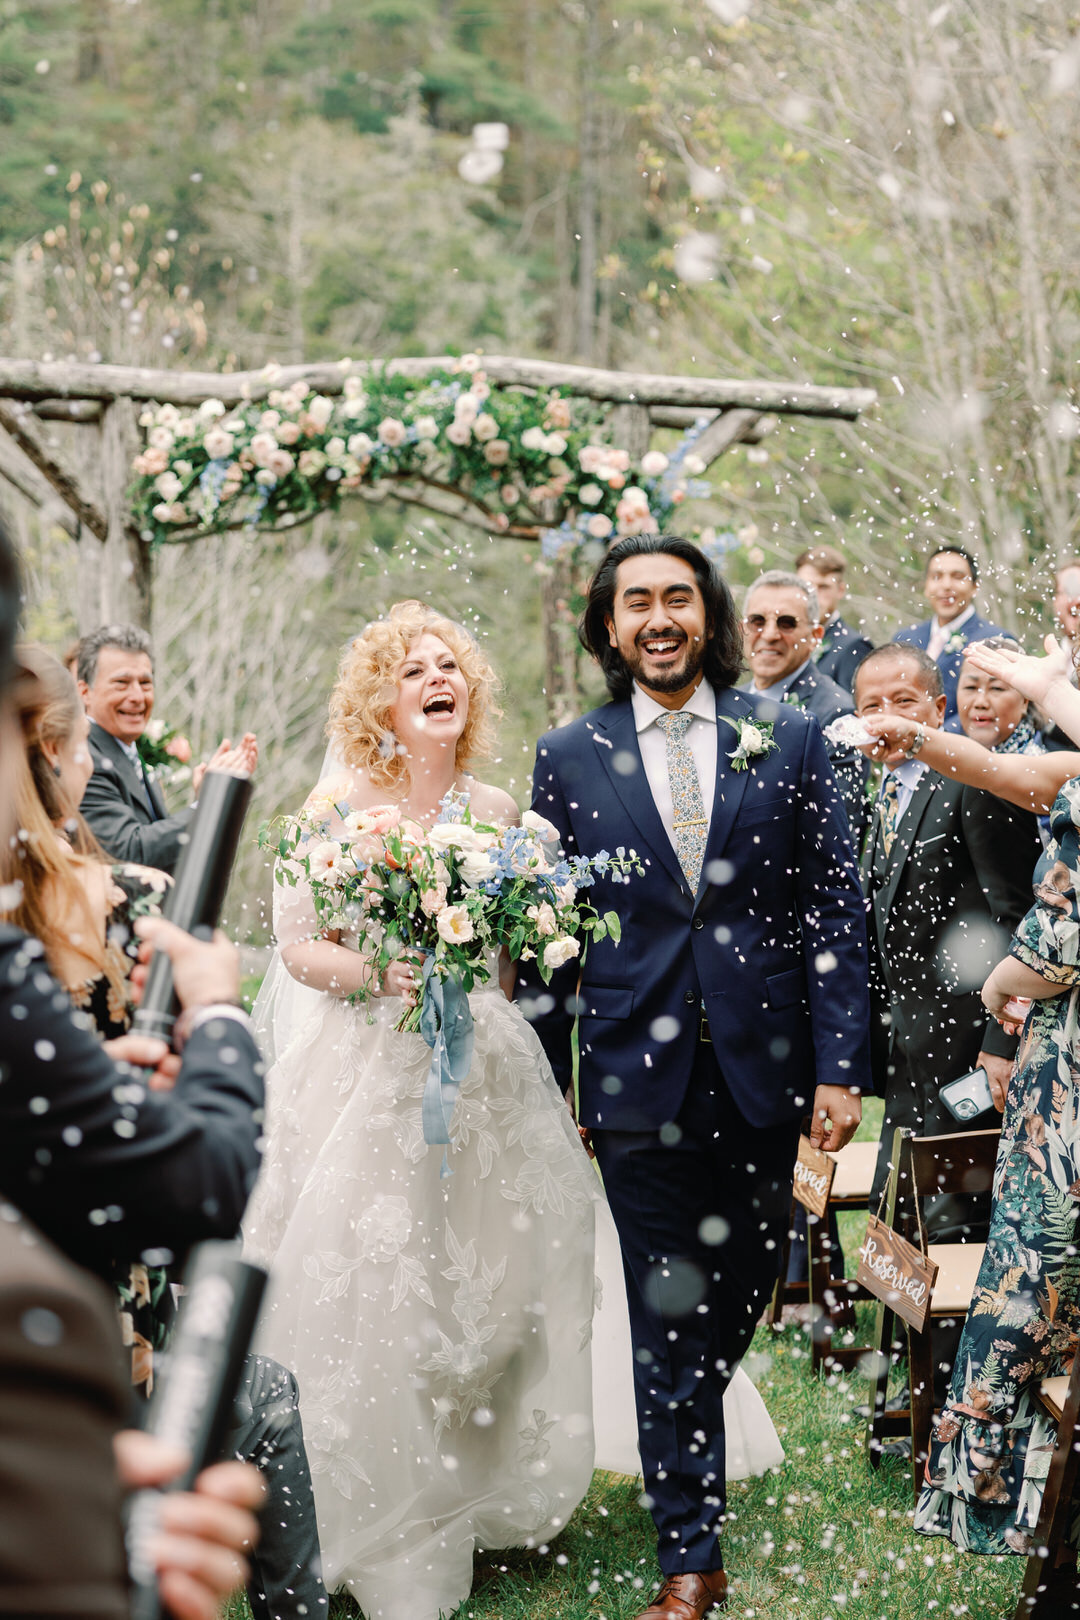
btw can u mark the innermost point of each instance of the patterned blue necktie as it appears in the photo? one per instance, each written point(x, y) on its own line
point(889, 810)
point(690, 826)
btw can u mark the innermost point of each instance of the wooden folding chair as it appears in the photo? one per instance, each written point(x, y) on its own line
point(922, 1165)
point(1051, 1573)
point(829, 1296)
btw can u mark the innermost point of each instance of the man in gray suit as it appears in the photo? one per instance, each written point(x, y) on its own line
point(123, 803)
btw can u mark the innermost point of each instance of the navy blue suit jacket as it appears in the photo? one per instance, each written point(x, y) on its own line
point(840, 653)
point(773, 945)
point(976, 629)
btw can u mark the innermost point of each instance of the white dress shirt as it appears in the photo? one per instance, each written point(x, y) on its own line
point(909, 773)
point(700, 737)
point(940, 633)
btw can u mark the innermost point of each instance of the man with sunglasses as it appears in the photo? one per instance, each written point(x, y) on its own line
point(781, 631)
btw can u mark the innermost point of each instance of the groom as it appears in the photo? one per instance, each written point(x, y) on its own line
point(735, 1004)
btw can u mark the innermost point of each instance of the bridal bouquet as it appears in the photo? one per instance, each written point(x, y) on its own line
point(452, 894)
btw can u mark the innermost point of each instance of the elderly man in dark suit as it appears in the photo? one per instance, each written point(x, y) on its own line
point(947, 872)
point(123, 803)
point(735, 1003)
point(841, 649)
point(952, 581)
point(781, 630)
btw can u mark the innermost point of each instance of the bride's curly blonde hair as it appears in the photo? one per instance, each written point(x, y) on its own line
point(361, 702)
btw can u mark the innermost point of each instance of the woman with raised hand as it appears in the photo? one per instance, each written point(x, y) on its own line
point(439, 1324)
point(987, 1461)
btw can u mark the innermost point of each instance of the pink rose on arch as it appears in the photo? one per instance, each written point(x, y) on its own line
point(459, 432)
point(391, 432)
point(287, 432)
point(262, 448)
point(280, 463)
point(592, 457)
point(151, 462)
point(179, 748)
point(497, 454)
point(619, 459)
point(598, 526)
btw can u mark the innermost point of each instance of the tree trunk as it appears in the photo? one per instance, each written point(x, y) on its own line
point(118, 572)
point(588, 184)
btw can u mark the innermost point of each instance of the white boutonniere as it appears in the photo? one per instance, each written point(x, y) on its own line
point(956, 642)
point(755, 741)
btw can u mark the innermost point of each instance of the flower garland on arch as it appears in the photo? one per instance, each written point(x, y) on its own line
point(530, 464)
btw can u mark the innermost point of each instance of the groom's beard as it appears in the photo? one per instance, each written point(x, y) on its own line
point(673, 679)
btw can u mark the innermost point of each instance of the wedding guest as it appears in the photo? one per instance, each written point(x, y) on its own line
point(82, 909)
point(61, 1391)
point(947, 872)
point(1067, 616)
point(950, 587)
point(698, 1062)
point(781, 631)
point(841, 649)
point(987, 1464)
point(123, 803)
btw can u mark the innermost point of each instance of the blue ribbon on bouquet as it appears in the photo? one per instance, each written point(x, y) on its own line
point(447, 1026)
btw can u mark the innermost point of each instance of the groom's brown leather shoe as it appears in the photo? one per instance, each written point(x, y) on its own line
point(688, 1596)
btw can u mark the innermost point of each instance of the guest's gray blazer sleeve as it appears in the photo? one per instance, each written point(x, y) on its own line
point(117, 828)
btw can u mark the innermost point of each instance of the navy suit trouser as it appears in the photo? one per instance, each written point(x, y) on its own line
point(701, 1208)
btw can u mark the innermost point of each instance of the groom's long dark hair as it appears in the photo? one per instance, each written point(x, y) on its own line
point(724, 645)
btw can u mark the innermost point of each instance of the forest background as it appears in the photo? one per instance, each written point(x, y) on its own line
point(878, 195)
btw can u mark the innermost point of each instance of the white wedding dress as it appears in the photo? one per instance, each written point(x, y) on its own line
point(438, 1328)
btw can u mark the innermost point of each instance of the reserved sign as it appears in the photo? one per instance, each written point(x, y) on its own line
point(895, 1271)
point(814, 1173)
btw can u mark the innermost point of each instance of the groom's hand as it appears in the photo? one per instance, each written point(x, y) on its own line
point(837, 1112)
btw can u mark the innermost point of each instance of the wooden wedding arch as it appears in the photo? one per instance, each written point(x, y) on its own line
point(84, 476)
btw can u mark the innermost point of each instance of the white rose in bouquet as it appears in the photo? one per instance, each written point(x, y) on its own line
point(454, 925)
point(475, 867)
point(454, 835)
point(558, 951)
point(545, 919)
point(326, 863)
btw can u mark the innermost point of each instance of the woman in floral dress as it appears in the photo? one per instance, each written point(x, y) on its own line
point(991, 1450)
point(992, 1447)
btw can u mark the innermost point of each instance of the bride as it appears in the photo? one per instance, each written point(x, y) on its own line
point(438, 1326)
